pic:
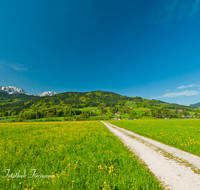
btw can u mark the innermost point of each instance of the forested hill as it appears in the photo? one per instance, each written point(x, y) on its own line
point(195, 105)
point(6, 98)
point(19, 102)
point(72, 99)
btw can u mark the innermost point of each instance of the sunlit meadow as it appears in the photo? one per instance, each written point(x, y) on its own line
point(71, 155)
point(181, 133)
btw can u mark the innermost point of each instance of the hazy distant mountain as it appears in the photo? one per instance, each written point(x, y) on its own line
point(195, 105)
point(13, 90)
point(48, 93)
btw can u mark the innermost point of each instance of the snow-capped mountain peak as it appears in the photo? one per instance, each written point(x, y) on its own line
point(13, 90)
point(16, 90)
point(48, 93)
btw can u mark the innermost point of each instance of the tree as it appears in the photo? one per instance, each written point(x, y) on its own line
point(132, 114)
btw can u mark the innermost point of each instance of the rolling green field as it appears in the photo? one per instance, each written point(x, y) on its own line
point(183, 134)
point(131, 103)
point(71, 155)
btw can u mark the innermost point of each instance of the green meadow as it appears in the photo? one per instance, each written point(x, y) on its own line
point(179, 133)
point(68, 155)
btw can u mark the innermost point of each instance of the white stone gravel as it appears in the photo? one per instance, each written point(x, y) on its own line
point(173, 175)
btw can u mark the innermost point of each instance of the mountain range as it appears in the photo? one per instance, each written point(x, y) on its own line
point(16, 90)
point(16, 103)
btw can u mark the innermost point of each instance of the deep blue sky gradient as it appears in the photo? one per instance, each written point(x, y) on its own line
point(134, 48)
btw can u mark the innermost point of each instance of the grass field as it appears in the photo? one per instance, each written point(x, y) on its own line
point(88, 108)
point(131, 104)
point(183, 134)
point(71, 155)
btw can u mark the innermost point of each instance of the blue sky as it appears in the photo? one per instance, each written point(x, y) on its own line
point(135, 48)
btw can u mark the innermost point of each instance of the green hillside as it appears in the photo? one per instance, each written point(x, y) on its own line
point(9, 101)
point(84, 105)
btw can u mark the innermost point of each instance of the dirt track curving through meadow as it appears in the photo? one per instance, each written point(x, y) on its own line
point(173, 167)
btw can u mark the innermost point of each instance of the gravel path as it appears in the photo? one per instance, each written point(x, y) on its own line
point(173, 174)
